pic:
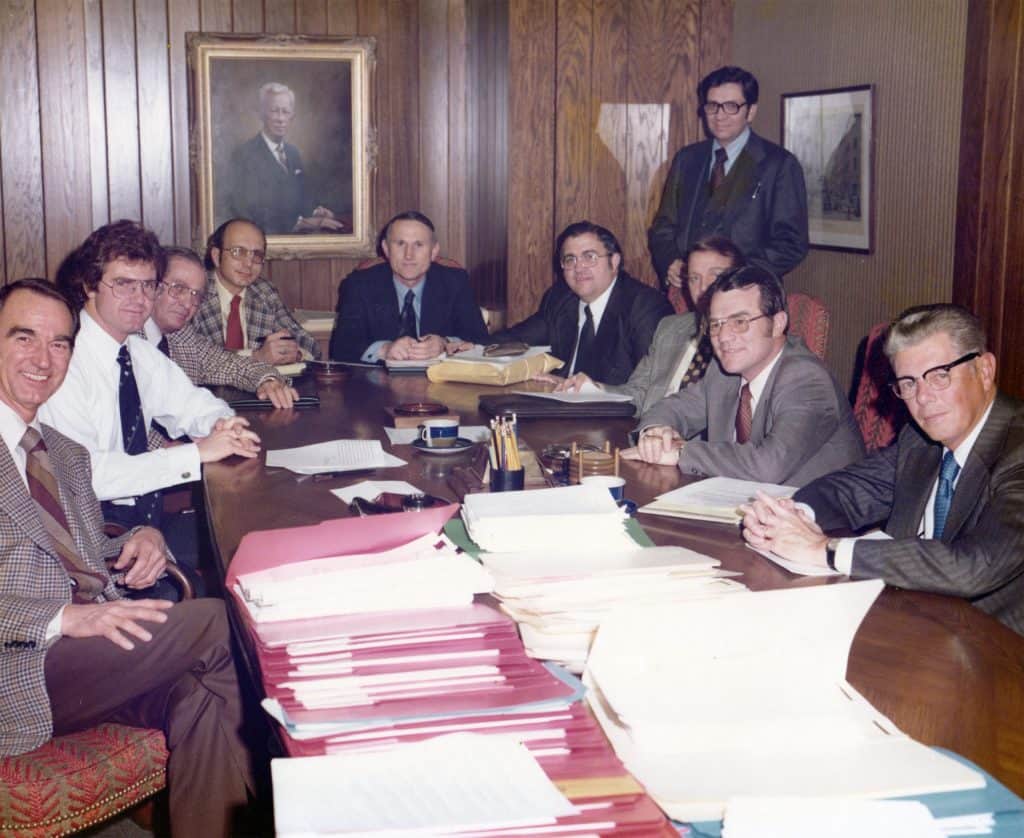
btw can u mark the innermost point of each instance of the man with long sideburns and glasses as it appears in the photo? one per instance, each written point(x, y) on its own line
point(949, 493)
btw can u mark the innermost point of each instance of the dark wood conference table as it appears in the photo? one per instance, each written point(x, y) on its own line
point(943, 671)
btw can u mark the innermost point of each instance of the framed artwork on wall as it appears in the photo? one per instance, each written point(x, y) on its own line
point(831, 133)
point(281, 134)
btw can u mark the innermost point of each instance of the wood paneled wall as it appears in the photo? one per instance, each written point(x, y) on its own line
point(602, 97)
point(989, 244)
point(913, 52)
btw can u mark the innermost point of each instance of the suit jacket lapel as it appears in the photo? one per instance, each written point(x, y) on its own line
point(430, 305)
point(17, 502)
point(757, 425)
point(912, 490)
point(695, 176)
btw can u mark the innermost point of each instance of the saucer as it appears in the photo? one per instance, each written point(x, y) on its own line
point(461, 444)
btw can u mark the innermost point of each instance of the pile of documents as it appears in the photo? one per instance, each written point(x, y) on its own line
point(560, 597)
point(746, 695)
point(336, 455)
point(714, 499)
point(581, 517)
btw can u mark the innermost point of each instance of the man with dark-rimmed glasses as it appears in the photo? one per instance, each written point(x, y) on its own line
point(948, 494)
point(768, 410)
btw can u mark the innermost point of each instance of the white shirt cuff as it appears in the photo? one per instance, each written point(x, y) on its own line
point(53, 631)
point(844, 555)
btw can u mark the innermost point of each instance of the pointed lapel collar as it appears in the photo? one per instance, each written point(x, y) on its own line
point(17, 502)
point(757, 425)
point(913, 488)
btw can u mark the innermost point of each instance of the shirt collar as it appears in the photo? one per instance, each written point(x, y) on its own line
point(152, 331)
point(12, 427)
point(598, 306)
point(758, 382)
point(734, 148)
point(224, 294)
point(271, 144)
point(98, 336)
point(401, 289)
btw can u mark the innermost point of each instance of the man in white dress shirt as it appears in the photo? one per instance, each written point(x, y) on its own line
point(118, 383)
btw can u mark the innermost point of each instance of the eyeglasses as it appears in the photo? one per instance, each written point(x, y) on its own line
point(738, 323)
point(243, 253)
point(588, 258)
point(122, 287)
point(182, 293)
point(937, 378)
point(731, 108)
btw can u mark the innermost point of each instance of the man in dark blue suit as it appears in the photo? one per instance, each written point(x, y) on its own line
point(409, 308)
point(735, 184)
point(268, 183)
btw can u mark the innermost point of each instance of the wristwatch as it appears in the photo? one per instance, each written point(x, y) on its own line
point(830, 552)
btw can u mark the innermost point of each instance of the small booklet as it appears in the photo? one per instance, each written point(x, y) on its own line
point(714, 499)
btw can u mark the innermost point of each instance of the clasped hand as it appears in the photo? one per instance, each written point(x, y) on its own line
point(229, 436)
point(779, 525)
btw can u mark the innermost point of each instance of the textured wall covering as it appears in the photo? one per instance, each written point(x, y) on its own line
point(913, 52)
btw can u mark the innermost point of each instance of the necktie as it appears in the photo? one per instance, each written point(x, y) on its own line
point(744, 415)
point(42, 486)
point(699, 362)
point(409, 329)
point(163, 346)
point(944, 493)
point(718, 171)
point(281, 156)
point(233, 339)
point(134, 434)
point(585, 344)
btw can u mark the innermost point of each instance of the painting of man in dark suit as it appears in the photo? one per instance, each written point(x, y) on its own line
point(267, 179)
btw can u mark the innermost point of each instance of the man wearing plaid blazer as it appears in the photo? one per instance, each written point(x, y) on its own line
point(204, 362)
point(235, 253)
point(73, 652)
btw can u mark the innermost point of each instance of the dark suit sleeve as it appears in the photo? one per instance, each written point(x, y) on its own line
point(351, 335)
point(667, 222)
point(535, 329)
point(859, 496)
point(785, 242)
point(685, 410)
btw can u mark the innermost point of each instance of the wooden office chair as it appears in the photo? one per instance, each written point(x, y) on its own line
point(879, 412)
point(809, 319)
point(75, 781)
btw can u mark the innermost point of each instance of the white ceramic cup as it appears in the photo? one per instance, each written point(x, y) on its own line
point(439, 433)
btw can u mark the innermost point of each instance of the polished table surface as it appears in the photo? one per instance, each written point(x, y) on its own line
point(944, 672)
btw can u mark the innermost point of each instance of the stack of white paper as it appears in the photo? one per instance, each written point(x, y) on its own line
point(559, 597)
point(426, 573)
point(745, 695)
point(336, 455)
point(444, 786)
point(714, 499)
point(587, 393)
point(807, 817)
point(585, 517)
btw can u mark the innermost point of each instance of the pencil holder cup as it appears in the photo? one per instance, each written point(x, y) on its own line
point(507, 480)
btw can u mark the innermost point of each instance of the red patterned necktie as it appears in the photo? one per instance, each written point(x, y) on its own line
point(42, 486)
point(233, 339)
point(744, 416)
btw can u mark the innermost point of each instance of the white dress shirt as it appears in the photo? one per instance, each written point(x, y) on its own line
point(86, 409)
point(596, 313)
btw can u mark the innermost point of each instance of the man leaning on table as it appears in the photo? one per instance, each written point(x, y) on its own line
point(680, 350)
point(598, 319)
point(75, 653)
point(949, 492)
point(408, 308)
point(241, 310)
point(769, 410)
point(170, 329)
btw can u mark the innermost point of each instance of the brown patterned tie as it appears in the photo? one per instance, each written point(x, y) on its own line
point(699, 362)
point(718, 171)
point(42, 485)
point(744, 416)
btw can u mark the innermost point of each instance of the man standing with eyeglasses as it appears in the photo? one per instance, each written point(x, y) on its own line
point(118, 384)
point(735, 184)
point(599, 320)
point(768, 411)
point(242, 311)
point(204, 362)
point(948, 495)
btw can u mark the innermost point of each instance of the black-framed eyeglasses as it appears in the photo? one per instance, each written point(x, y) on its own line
point(738, 323)
point(122, 287)
point(243, 253)
point(937, 378)
point(730, 108)
point(588, 258)
point(182, 293)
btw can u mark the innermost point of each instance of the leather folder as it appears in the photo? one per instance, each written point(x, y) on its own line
point(532, 407)
point(254, 403)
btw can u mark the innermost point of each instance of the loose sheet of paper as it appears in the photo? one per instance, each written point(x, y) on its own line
point(440, 785)
point(369, 489)
point(806, 817)
point(336, 455)
point(587, 393)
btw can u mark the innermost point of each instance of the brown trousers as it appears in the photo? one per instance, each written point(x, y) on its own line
point(182, 682)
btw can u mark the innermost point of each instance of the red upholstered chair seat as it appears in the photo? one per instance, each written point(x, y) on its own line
point(809, 319)
point(74, 781)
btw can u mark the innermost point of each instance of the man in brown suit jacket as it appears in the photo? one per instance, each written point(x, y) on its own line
point(73, 653)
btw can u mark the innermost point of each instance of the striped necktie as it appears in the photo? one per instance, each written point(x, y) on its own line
point(744, 415)
point(86, 583)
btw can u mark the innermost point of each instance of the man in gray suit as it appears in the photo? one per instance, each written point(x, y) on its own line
point(769, 410)
point(680, 351)
point(949, 493)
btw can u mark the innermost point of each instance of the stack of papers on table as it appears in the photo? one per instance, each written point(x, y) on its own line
point(584, 517)
point(714, 499)
point(336, 455)
point(746, 695)
point(560, 597)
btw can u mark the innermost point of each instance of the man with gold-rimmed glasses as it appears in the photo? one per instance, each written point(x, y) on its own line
point(242, 311)
point(948, 494)
point(768, 410)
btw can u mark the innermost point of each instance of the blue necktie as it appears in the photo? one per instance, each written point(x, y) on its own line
point(944, 493)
